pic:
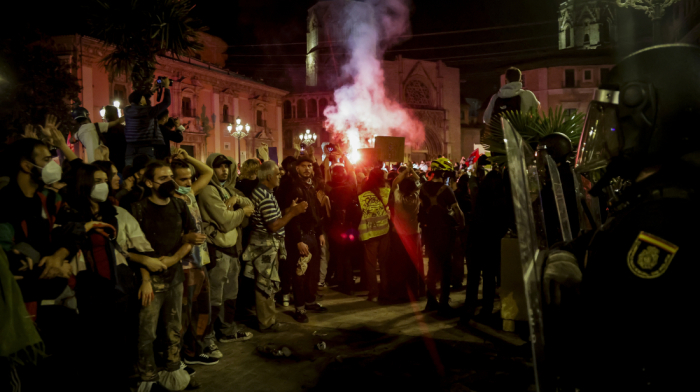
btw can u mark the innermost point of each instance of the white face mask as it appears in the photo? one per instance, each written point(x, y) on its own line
point(100, 192)
point(51, 173)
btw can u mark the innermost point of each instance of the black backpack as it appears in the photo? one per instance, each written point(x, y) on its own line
point(436, 216)
point(503, 105)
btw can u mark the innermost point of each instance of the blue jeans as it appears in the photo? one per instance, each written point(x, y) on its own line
point(134, 150)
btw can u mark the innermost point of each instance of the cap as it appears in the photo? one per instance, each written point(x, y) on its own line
point(220, 160)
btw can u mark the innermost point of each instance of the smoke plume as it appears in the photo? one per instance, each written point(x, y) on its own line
point(362, 108)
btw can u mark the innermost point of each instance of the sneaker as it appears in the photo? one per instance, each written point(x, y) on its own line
point(213, 351)
point(285, 300)
point(432, 304)
point(188, 369)
point(300, 316)
point(322, 285)
point(238, 337)
point(201, 359)
point(276, 327)
point(316, 308)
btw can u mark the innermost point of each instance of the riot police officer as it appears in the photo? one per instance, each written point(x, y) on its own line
point(637, 272)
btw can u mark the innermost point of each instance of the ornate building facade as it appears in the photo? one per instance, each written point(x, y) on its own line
point(587, 24)
point(206, 97)
point(428, 89)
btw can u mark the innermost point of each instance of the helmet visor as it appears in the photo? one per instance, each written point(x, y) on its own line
point(600, 139)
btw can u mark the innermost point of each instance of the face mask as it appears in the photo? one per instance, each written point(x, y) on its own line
point(183, 190)
point(51, 173)
point(166, 189)
point(100, 192)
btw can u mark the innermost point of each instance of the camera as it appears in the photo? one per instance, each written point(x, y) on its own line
point(331, 147)
point(160, 80)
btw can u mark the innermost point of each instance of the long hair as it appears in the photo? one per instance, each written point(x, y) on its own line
point(374, 182)
point(106, 166)
point(79, 190)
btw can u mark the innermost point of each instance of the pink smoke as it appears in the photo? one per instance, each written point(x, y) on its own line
point(362, 108)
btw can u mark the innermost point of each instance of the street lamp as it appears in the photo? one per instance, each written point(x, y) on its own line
point(655, 9)
point(239, 134)
point(308, 137)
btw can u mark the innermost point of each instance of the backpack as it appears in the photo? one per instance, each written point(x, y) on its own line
point(436, 216)
point(503, 105)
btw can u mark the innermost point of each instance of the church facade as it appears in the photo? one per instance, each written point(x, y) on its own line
point(205, 96)
point(428, 89)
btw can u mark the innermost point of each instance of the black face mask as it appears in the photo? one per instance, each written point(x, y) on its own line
point(166, 189)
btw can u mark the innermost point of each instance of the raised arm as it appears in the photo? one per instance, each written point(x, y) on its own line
point(205, 172)
point(50, 130)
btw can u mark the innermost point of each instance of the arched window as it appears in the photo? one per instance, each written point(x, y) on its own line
point(313, 110)
point(322, 103)
point(287, 109)
point(568, 37)
point(187, 107)
point(224, 114)
point(301, 108)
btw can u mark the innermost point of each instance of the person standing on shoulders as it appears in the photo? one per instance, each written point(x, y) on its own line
point(511, 97)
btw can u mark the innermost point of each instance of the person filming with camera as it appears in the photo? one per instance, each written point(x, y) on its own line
point(142, 131)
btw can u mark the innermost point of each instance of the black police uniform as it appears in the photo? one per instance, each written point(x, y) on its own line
point(640, 274)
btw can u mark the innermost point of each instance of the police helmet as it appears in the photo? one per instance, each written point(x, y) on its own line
point(79, 114)
point(643, 113)
point(558, 146)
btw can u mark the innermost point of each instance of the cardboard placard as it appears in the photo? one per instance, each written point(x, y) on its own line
point(389, 148)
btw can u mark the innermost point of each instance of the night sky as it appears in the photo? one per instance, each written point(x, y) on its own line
point(251, 26)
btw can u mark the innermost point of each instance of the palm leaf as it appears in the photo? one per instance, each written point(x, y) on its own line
point(532, 126)
point(140, 31)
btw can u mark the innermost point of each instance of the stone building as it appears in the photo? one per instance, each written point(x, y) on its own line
point(570, 86)
point(587, 24)
point(427, 88)
point(204, 96)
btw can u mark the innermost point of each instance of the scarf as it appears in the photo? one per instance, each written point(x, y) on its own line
point(20, 340)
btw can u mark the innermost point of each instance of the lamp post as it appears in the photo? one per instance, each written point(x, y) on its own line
point(655, 9)
point(308, 137)
point(239, 134)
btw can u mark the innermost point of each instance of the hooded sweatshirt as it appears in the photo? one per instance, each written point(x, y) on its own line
point(221, 225)
point(527, 98)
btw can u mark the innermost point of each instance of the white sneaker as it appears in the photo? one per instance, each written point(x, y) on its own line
point(285, 300)
point(213, 351)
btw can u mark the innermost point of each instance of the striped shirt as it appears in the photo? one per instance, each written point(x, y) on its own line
point(266, 210)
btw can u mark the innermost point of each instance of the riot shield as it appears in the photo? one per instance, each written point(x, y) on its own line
point(580, 199)
point(560, 200)
point(524, 177)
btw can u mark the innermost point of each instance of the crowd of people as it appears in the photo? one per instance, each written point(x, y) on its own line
point(147, 262)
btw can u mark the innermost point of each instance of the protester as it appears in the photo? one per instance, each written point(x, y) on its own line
point(141, 131)
point(439, 217)
point(266, 248)
point(133, 188)
point(304, 238)
point(223, 213)
point(196, 305)
point(511, 97)
point(287, 268)
point(248, 180)
point(91, 134)
point(171, 131)
point(114, 138)
point(112, 179)
point(374, 230)
point(163, 218)
point(407, 277)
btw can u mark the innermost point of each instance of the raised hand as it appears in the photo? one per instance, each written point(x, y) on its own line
point(29, 132)
point(181, 154)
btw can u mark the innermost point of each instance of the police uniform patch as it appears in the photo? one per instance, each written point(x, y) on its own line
point(650, 256)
